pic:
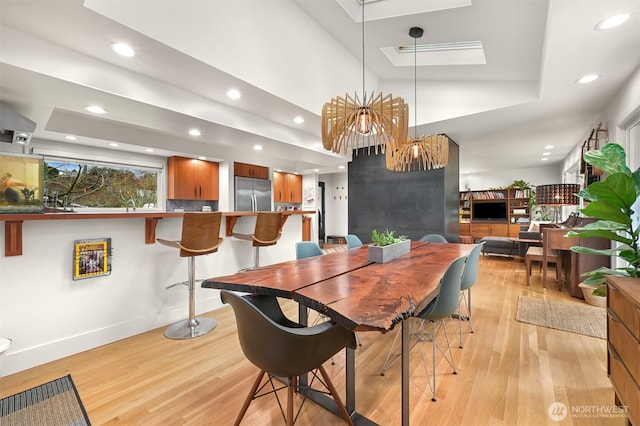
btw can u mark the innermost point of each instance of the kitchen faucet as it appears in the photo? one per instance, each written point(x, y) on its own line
point(133, 204)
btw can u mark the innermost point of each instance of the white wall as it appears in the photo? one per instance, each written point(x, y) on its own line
point(536, 176)
point(310, 201)
point(336, 203)
point(50, 316)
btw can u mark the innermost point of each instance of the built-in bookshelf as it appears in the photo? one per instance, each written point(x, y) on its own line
point(483, 208)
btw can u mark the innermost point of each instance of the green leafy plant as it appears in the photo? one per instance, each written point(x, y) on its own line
point(611, 202)
point(386, 238)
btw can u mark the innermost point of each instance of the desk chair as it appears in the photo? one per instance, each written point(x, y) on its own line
point(434, 238)
point(267, 232)
point(469, 278)
point(200, 235)
point(550, 255)
point(439, 309)
point(536, 254)
point(353, 241)
point(282, 348)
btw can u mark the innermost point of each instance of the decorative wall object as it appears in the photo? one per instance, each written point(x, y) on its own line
point(91, 258)
point(21, 183)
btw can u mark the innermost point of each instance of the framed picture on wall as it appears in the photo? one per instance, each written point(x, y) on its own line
point(91, 258)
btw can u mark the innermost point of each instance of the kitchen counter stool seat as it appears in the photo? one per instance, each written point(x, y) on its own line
point(267, 232)
point(200, 235)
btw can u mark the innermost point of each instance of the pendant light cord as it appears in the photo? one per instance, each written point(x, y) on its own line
point(415, 88)
point(364, 96)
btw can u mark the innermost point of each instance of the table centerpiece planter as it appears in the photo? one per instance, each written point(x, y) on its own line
point(386, 247)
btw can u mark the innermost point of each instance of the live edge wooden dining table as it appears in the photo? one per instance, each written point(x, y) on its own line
point(357, 294)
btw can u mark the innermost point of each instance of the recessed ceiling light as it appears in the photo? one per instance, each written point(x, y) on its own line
point(548, 147)
point(612, 22)
point(114, 144)
point(278, 170)
point(96, 109)
point(123, 49)
point(298, 120)
point(341, 167)
point(316, 170)
point(587, 78)
point(233, 94)
point(149, 149)
point(194, 132)
point(202, 158)
point(546, 153)
point(544, 159)
point(70, 137)
point(258, 147)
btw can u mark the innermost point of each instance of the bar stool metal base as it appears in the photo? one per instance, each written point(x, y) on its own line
point(188, 329)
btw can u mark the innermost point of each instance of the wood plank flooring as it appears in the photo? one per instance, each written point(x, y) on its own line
point(508, 372)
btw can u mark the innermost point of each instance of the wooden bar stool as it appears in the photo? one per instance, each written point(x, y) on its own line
point(267, 232)
point(200, 235)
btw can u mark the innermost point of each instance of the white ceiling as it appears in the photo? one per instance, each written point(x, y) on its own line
point(288, 57)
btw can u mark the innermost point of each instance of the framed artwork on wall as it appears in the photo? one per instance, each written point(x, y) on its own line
point(91, 258)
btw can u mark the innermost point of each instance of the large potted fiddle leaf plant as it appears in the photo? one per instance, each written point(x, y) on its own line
point(611, 201)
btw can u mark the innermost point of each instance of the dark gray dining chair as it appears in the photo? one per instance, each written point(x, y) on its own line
point(284, 349)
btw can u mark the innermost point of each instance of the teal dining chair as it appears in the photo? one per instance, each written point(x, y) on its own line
point(469, 278)
point(428, 323)
point(353, 241)
point(434, 238)
point(306, 249)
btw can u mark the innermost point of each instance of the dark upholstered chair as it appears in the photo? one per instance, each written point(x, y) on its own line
point(200, 235)
point(267, 232)
point(282, 348)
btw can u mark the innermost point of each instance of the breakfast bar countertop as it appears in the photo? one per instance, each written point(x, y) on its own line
point(13, 222)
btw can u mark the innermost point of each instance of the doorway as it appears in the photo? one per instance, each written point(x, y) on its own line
point(321, 228)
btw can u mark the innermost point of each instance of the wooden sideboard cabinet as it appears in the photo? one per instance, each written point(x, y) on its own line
point(192, 179)
point(287, 188)
point(623, 338)
point(250, 170)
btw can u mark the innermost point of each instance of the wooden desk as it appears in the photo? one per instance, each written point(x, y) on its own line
point(357, 294)
point(574, 264)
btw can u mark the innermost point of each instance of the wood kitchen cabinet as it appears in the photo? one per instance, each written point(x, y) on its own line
point(192, 179)
point(287, 188)
point(250, 170)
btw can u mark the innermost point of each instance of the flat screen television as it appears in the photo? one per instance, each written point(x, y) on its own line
point(490, 211)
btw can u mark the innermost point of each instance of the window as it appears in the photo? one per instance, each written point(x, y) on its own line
point(77, 184)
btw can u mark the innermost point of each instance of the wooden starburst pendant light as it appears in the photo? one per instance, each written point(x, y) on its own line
point(424, 153)
point(418, 153)
point(377, 121)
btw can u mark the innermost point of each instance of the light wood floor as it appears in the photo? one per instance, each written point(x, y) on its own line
point(508, 372)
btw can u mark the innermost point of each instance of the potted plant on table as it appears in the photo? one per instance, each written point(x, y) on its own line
point(386, 246)
point(611, 202)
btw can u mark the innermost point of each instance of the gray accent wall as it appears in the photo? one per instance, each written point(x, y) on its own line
point(410, 203)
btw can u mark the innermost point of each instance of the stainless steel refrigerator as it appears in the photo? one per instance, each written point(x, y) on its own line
point(252, 194)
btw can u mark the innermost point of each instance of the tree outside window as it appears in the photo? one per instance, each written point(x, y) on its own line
point(76, 184)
